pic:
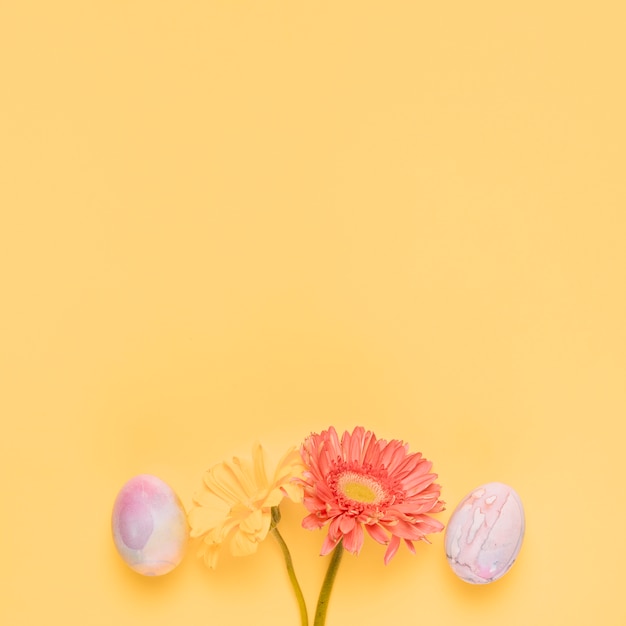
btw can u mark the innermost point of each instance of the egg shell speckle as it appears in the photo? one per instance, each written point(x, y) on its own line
point(485, 533)
point(149, 526)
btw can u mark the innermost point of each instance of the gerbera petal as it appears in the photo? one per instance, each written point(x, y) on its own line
point(429, 525)
point(210, 554)
point(367, 445)
point(258, 460)
point(410, 464)
point(244, 473)
point(353, 541)
point(414, 508)
point(273, 498)
point(254, 522)
point(293, 491)
point(377, 533)
point(313, 522)
point(438, 506)
point(313, 503)
point(346, 524)
point(225, 484)
point(405, 530)
point(392, 548)
point(204, 518)
point(334, 530)
point(353, 444)
point(333, 441)
point(242, 544)
point(415, 484)
point(289, 466)
point(328, 545)
point(394, 455)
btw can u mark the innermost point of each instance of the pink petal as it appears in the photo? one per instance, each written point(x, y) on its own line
point(324, 465)
point(416, 483)
point(409, 464)
point(405, 530)
point(392, 455)
point(334, 529)
point(354, 444)
point(411, 508)
point(328, 545)
point(312, 522)
point(333, 440)
point(429, 525)
point(346, 524)
point(368, 445)
point(399, 454)
point(392, 548)
point(353, 541)
point(377, 533)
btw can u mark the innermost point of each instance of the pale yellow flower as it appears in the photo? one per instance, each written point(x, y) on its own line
point(234, 505)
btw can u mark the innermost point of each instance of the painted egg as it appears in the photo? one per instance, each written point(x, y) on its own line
point(485, 533)
point(149, 526)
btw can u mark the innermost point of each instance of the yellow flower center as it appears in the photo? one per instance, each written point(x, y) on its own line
point(360, 488)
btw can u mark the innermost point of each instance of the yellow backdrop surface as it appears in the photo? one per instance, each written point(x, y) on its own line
point(223, 222)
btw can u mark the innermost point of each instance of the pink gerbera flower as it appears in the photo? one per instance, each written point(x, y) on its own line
point(362, 481)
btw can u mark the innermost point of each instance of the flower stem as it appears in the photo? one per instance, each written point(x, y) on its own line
point(327, 586)
point(304, 618)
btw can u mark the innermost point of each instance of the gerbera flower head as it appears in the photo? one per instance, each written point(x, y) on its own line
point(234, 505)
point(359, 482)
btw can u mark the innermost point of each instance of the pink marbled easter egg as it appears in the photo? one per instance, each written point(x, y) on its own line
point(485, 533)
point(149, 526)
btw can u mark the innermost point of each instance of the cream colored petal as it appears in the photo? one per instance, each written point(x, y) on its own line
point(229, 524)
point(212, 505)
point(274, 498)
point(242, 544)
point(210, 553)
point(293, 491)
point(204, 518)
point(260, 475)
point(256, 523)
point(245, 475)
point(224, 481)
point(204, 497)
point(241, 511)
point(288, 467)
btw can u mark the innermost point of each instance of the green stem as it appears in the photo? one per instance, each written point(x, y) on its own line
point(327, 586)
point(304, 618)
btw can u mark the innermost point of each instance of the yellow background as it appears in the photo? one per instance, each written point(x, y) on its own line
point(229, 221)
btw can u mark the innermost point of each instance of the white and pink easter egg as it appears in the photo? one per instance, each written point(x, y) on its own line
point(485, 533)
point(149, 526)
